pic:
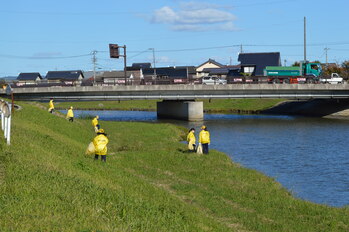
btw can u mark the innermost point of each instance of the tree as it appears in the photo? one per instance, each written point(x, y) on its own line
point(332, 68)
point(296, 64)
point(345, 69)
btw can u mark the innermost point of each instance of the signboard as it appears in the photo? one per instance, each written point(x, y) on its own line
point(114, 51)
point(178, 81)
point(120, 81)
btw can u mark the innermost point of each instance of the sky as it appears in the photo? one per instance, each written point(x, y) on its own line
point(41, 35)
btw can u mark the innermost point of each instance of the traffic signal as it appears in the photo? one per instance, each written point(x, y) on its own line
point(114, 51)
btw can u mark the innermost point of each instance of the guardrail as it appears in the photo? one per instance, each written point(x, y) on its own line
point(5, 110)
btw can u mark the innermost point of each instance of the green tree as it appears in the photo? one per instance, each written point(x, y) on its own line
point(331, 68)
point(345, 69)
point(296, 64)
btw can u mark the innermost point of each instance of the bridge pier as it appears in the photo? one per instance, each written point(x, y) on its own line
point(183, 110)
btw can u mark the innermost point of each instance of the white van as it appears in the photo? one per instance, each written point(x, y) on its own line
point(213, 81)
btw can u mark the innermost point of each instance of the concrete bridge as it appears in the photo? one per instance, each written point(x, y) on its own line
point(179, 100)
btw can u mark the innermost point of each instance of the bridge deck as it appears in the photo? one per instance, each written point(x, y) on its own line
point(184, 92)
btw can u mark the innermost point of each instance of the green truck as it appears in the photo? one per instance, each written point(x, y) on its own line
point(304, 73)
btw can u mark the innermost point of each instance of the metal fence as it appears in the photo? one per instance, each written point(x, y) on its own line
point(5, 110)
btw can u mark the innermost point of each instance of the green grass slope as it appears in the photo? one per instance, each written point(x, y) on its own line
point(147, 184)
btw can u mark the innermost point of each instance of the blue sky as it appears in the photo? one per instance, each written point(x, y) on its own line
point(39, 36)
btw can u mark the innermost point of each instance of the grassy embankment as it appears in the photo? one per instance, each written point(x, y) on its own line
point(210, 106)
point(147, 184)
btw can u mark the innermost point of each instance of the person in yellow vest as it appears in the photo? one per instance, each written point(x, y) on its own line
point(51, 107)
point(191, 140)
point(95, 123)
point(70, 114)
point(204, 139)
point(100, 142)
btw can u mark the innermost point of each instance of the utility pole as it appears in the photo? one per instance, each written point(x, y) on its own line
point(305, 41)
point(153, 61)
point(125, 64)
point(230, 61)
point(241, 48)
point(326, 50)
point(94, 60)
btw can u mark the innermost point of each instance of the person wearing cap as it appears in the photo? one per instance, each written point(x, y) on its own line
point(191, 140)
point(51, 107)
point(95, 123)
point(70, 114)
point(204, 139)
point(100, 142)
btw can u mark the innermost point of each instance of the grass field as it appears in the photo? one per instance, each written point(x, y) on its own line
point(149, 183)
point(213, 105)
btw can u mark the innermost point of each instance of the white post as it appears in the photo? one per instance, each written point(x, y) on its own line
point(2, 120)
point(6, 121)
point(8, 130)
point(5, 130)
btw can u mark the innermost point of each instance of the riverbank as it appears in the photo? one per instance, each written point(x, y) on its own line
point(148, 184)
point(245, 106)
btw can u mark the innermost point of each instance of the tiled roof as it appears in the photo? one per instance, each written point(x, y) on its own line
point(64, 75)
point(28, 76)
point(213, 62)
point(170, 72)
point(191, 69)
point(213, 71)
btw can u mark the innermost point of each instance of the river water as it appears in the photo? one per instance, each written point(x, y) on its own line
point(308, 156)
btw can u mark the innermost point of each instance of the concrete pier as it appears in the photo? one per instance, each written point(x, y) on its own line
point(183, 110)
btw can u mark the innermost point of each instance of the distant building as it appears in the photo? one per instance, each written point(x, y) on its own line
point(166, 75)
point(216, 72)
point(191, 71)
point(210, 64)
point(73, 77)
point(254, 63)
point(28, 78)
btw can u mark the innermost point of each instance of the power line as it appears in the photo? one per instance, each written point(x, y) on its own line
point(139, 53)
point(41, 57)
point(178, 50)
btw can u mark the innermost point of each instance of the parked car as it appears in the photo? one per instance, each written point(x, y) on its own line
point(213, 81)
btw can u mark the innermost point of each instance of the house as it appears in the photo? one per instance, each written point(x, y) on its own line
point(206, 65)
point(254, 63)
point(217, 72)
point(191, 71)
point(118, 77)
point(166, 75)
point(28, 78)
point(74, 77)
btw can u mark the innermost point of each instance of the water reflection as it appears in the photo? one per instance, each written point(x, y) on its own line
point(308, 156)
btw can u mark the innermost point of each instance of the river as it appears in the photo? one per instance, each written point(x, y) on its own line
point(308, 156)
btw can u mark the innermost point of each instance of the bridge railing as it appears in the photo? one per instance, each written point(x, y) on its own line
point(5, 110)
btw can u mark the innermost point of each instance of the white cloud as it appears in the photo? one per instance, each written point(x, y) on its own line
point(189, 27)
point(195, 16)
